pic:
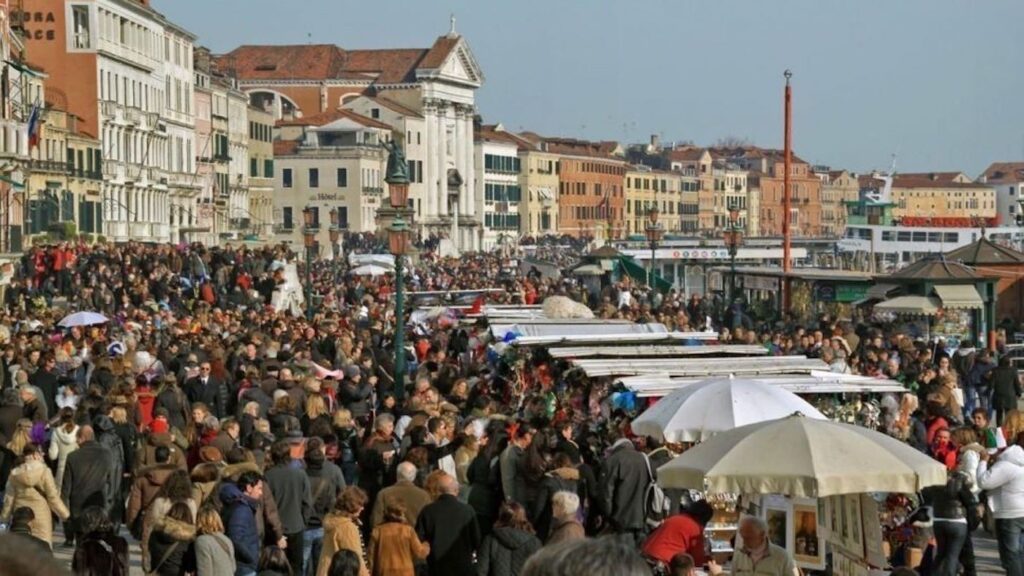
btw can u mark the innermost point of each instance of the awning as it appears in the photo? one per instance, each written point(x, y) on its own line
point(924, 305)
point(963, 296)
point(880, 291)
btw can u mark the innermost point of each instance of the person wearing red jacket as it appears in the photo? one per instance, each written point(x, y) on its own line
point(683, 532)
point(943, 449)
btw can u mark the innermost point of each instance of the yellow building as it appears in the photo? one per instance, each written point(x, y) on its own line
point(925, 197)
point(538, 178)
point(261, 174)
point(646, 187)
point(62, 193)
point(837, 188)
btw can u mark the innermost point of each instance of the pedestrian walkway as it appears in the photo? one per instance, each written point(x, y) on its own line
point(986, 554)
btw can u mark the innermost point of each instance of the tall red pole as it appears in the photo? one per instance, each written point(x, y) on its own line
point(786, 184)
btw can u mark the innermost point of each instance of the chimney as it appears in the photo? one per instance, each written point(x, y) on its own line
point(983, 179)
point(201, 56)
point(655, 142)
point(933, 176)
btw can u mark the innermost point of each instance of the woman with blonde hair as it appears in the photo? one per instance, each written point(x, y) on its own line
point(316, 418)
point(215, 553)
point(344, 427)
point(31, 485)
point(394, 545)
point(21, 437)
point(1013, 424)
point(63, 441)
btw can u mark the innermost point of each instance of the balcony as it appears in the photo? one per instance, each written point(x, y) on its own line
point(133, 115)
point(162, 232)
point(240, 224)
point(109, 109)
point(140, 230)
point(116, 230)
point(49, 166)
point(373, 190)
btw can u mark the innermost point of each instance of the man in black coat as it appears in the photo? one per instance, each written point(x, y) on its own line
point(86, 478)
point(293, 496)
point(208, 390)
point(45, 379)
point(452, 531)
point(625, 479)
point(1006, 389)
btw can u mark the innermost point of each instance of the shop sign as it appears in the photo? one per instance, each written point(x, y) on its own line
point(851, 292)
point(760, 283)
point(824, 292)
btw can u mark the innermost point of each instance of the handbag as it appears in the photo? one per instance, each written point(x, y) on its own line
point(657, 505)
point(156, 568)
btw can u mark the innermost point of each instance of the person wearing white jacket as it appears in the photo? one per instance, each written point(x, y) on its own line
point(1004, 481)
point(63, 441)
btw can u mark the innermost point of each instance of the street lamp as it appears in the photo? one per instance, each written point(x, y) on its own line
point(653, 232)
point(397, 179)
point(733, 238)
point(309, 231)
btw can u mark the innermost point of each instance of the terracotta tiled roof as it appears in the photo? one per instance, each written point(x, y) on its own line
point(324, 118)
point(935, 176)
point(326, 61)
point(439, 52)
point(285, 147)
point(574, 147)
point(297, 62)
point(394, 106)
point(917, 181)
point(388, 66)
point(491, 133)
point(1004, 173)
point(687, 154)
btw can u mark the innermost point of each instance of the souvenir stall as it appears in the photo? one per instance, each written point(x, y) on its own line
point(816, 483)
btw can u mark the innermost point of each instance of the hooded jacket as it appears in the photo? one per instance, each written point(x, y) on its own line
point(31, 485)
point(146, 454)
point(145, 489)
point(62, 443)
point(107, 436)
point(239, 514)
point(171, 541)
point(505, 550)
point(1004, 482)
point(558, 480)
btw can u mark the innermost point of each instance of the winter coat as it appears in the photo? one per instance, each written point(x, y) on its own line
point(100, 555)
point(215, 555)
point(268, 521)
point(87, 479)
point(394, 549)
point(239, 514)
point(325, 484)
point(292, 495)
point(214, 394)
point(171, 543)
point(340, 533)
point(62, 443)
point(952, 501)
point(558, 480)
point(9, 416)
point(484, 477)
point(106, 436)
point(356, 397)
point(624, 486)
point(513, 484)
point(31, 485)
point(412, 497)
point(1004, 482)
point(504, 552)
point(145, 489)
point(1006, 388)
point(451, 529)
point(174, 400)
point(146, 454)
point(564, 531)
point(154, 516)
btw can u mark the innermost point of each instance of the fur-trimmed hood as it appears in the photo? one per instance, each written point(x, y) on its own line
point(177, 529)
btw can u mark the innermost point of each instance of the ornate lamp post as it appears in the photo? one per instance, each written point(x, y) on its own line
point(309, 230)
point(653, 231)
point(733, 238)
point(397, 179)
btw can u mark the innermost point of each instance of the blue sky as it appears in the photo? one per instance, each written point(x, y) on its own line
point(938, 82)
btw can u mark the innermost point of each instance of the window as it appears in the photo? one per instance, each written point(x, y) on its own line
point(286, 212)
point(286, 178)
point(254, 167)
point(343, 177)
point(374, 112)
point(314, 177)
point(887, 235)
point(343, 216)
point(268, 168)
point(919, 237)
point(903, 236)
point(951, 237)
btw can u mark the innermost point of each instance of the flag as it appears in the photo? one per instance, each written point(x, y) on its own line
point(478, 305)
point(33, 127)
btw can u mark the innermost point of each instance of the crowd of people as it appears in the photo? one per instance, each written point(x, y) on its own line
point(226, 437)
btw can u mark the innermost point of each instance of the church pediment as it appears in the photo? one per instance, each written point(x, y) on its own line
point(458, 66)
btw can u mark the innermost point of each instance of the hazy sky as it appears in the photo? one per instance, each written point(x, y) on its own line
point(938, 82)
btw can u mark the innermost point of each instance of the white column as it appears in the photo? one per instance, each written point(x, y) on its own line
point(430, 166)
point(468, 175)
point(460, 157)
point(442, 160)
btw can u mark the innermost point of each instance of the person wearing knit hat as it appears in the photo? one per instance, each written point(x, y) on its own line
point(159, 425)
point(210, 454)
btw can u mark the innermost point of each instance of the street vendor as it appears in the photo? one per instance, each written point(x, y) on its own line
point(757, 555)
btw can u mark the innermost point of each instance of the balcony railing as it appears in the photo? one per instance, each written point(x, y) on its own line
point(109, 109)
point(373, 190)
point(49, 166)
point(133, 115)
